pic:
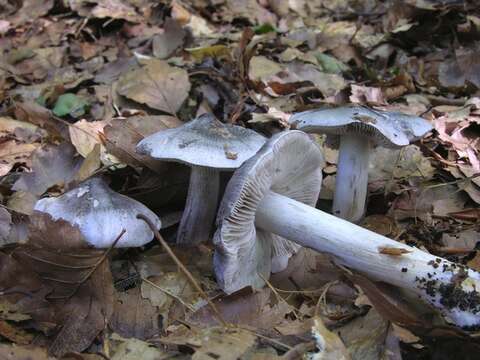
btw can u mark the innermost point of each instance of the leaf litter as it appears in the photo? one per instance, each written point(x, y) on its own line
point(83, 81)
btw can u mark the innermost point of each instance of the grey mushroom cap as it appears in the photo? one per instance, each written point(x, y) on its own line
point(243, 252)
point(101, 214)
point(204, 141)
point(385, 128)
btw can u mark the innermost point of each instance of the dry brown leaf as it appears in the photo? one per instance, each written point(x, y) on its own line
point(156, 84)
point(12, 153)
point(51, 165)
point(84, 135)
point(261, 310)
point(115, 9)
point(212, 342)
point(15, 334)
point(82, 295)
point(134, 316)
point(5, 225)
point(13, 352)
point(164, 45)
point(89, 165)
point(329, 344)
point(134, 349)
point(122, 137)
point(31, 112)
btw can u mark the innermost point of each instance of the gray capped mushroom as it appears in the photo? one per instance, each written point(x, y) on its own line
point(359, 129)
point(208, 146)
point(269, 195)
point(101, 214)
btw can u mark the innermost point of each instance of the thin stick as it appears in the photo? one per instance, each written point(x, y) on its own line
point(183, 269)
point(188, 306)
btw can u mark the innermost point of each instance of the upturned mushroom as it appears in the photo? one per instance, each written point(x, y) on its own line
point(262, 199)
point(208, 146)
point(359, 129)
point(101, 214)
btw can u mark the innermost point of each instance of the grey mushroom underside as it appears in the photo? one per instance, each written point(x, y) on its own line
point(200, 209)
point(352, 177)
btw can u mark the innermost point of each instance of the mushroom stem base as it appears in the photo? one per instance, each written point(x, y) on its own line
point(434, 279)
point(199, 213)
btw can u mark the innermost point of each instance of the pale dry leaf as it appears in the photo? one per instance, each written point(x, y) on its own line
point(85, 135)
point(5, 225)
point(122, 137)
point(14, 352)
point(165, 44)
point(156, 84)
point(466, 239)
point(22, 202)
point(51, 165)
point(329, 344)
point(213, 342)
point(367, 95)
point(115, 9)
point(89, 165)
point(13, 152)
point(261, 68)
point(364, 336)
point(133, 349)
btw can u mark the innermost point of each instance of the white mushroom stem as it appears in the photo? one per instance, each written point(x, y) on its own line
point(200, 208)
point(352, 177)
point(447, 286)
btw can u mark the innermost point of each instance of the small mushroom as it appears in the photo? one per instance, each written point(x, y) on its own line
point(101, 214)
point(359, 129)
point(266, 197)
point(208, 146)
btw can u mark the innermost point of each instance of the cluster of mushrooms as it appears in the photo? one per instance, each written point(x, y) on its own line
point(268, 208)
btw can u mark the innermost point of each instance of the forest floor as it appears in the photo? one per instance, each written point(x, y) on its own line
point(83, 81)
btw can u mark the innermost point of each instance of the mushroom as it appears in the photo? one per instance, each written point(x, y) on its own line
point(208, 146)
point(101, 214)
point(359, 129)
point(262, 199)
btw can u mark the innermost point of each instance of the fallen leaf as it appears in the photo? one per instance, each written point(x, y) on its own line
point(156, 84)
point(260, 310)
point(215, 51)
point(115, 9)
point(5, 225)
point(70, 104)
point(213, 342)
point(134, 316)
point(329, 345)
point(367, 95)
point(51, 165)
point(89, 165)
point(22, 202)
point(82, 286)
point(122, 137)
point(133, 349)
point(466, 239)
point(164, 45)
point(12, 153)
point(15, 334)
point(13, 352)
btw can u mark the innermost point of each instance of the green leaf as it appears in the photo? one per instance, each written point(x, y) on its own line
point(264, 28)
point(330, 65)
point(70, 104)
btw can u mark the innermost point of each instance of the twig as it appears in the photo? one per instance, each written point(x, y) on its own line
point(188, 306)
point(183, 269)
